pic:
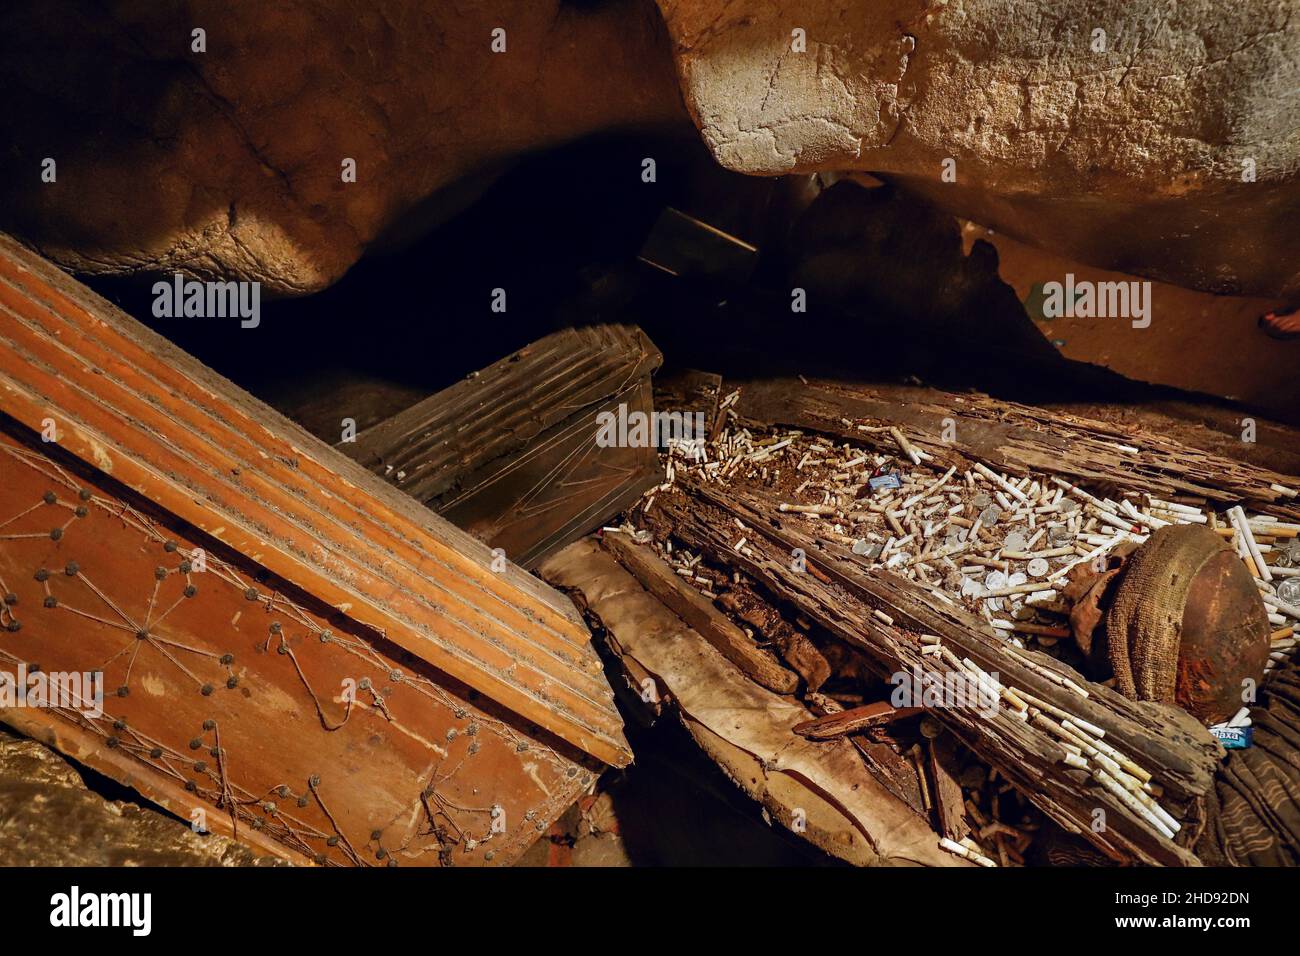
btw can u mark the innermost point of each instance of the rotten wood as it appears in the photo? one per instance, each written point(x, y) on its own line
point(1017, 439)
point(854, 720)
point(799, 653)
point(948, 801)
point(658, 577)
point(691, 392)
point(513, 453)
point(821, 790)
point(842, 597)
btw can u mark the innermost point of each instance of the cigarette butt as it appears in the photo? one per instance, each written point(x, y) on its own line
point(965, 853)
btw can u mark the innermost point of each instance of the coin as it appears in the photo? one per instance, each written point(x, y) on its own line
point(1015, 541)
point(1038, 567)
point(1289, 590)
point(994, 580)
point(990, 515)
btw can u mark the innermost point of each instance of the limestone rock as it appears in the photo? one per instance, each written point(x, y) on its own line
point(1118, 132)
point(229, 162)
point(49, 818)
point(1126, 150)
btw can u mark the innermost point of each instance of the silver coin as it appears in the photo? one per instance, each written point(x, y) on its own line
point(1017, 579)
point(990, 515)
point(981, 501)
point(994, 580)
point(1015, 541)
point(1038, 567)
point(1289, 590)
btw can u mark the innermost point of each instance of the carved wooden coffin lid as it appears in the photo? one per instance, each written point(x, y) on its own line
point(134, 407)
point(511, 453)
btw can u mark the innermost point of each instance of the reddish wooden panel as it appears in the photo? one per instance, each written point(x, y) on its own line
point(226, 689)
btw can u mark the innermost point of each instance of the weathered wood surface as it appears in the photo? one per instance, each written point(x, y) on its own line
point(853, 721)
point(691, 392)
point(944, 788)
point(1016, 439)
point(135, 407)
point(820, 789)
point(473, 689)
point(657, 577)
point(840, 595)
point(510, 453)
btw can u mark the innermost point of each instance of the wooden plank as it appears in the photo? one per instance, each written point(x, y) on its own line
point(948, 804)
point(854, 720)
point(691, 392)
point(510, 453)
point(128, 403)
point(657, 577)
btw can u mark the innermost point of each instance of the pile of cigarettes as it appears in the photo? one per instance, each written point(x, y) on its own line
point(999, 545)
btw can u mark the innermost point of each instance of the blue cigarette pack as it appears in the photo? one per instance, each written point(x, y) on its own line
point(1233, 738)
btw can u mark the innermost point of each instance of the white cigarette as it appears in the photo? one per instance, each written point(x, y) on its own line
point(1238, 517)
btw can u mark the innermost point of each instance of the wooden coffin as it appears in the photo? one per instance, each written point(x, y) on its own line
point(291, 651)
point(820, 790)
point(510, 453)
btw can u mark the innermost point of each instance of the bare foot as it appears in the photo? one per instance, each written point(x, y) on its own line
point(1281, 325)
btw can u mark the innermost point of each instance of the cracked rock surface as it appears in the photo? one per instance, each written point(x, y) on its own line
point(49, 818)
point(1117, 132)
point(1126, 150)
point(228, 163)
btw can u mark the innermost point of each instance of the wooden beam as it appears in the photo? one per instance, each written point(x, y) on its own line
point(821, 790)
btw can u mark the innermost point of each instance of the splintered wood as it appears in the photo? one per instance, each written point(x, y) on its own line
point(819, 789)
point(280, 645)
point(512, 453)
point(944, 559)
